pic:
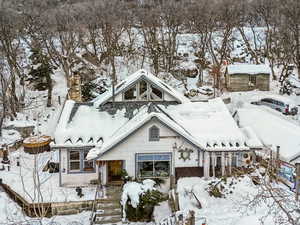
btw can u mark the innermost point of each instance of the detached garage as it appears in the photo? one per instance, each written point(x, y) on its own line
point(247, 77)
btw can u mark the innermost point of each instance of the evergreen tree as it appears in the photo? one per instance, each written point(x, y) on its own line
point(40, 72)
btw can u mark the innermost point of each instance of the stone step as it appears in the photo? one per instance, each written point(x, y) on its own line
point(108, 200)
point(105, 214)
point(108, 219)
point(108, 206)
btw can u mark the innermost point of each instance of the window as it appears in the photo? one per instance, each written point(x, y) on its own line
point(74, 160)
point(78, 162)
point(155, 94)
point(154, 133)
point(130, 94)
point(234, 160)
point(252, 80)
point(143, 91)
point(88, 165)
point(153, 165)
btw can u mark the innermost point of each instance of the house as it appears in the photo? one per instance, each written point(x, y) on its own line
point(149, 129)
point(247, 77)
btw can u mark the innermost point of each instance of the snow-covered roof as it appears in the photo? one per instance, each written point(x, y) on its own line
point(211, 124)
point(88, 126)
point(250, 69)
point(140, 74)
point(207, 125)
point(272, 128)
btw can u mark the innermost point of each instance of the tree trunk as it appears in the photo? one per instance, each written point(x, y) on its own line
point(1, 123)
point(50, 87)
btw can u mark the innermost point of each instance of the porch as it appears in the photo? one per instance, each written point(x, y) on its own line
point(111, 172)
point(216, 164)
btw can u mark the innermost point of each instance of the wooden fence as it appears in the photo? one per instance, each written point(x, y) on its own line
point(48, 209)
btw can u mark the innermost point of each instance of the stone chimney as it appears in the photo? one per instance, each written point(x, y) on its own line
point(74, 92)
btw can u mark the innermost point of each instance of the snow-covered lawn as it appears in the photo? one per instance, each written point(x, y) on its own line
point(22, 179)
point(220, 211)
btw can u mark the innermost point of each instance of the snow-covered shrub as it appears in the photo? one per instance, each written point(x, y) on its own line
point(222, 187)
point(138, 200)
point(125, 177)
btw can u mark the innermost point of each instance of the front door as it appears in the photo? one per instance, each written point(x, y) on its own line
point(114, 171)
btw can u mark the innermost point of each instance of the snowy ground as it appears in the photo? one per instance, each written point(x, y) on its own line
point(220, 211)
point(11, 213)
point(21, 179)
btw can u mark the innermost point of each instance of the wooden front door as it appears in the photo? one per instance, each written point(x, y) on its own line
point(114, 170)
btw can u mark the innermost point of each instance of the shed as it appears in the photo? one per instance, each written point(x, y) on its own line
point(247, 77)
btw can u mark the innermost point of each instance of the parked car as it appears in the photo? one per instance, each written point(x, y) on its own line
point(283, 106)
point(205, 90)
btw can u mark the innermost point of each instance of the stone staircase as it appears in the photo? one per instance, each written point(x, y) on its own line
point(108, 211)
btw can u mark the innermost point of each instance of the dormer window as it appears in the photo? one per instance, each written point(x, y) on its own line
point(154, 133)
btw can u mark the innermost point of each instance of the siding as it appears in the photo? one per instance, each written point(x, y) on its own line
point(74, 179)
point(139, 143)
point(240, 82)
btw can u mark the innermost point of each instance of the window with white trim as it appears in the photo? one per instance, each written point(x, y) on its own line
point(74, 160)
point(153, 165)
point(154, 133)
point(78, 162)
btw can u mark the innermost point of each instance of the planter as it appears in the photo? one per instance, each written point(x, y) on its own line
point(37, 144)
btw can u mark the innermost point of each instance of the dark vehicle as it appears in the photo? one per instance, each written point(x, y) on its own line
point(279, 105)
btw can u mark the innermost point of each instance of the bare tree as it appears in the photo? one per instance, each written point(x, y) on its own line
point(277, 199)
point(12, 50)
point(290, 27)
point(200, 16)
point(3, 96)
point(148, 23)
point(220, 34)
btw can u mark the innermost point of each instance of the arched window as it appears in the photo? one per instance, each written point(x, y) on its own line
point(154, 133)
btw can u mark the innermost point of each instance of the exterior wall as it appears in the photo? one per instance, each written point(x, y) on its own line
point(139, 143)
point(240, 82)
point(263, 82)
point(76, 178)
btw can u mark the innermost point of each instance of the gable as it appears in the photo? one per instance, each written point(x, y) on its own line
point(138, 141)
point(143, 90)
point(144, 86)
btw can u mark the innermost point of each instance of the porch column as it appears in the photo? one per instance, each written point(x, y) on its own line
point(200, 163)
point(102, 170)
point(230, 162)
point(213, 157)
point(223, 163)
point(206, 164)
